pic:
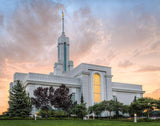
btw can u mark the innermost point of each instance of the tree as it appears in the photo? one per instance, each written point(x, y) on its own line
point(125, 109)
point(147, 104)
point(135, 108)
point(42, 100)
point(118, 107)
point(80, 110)
point(109, 106)
point(82, 100)
point(143, 105)
point(42, 97)
point(158, 104)
point(19, 102)
point(62, 99)
point(96, 109)
point(135, 99)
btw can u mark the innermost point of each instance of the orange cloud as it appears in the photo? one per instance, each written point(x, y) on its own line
point(155, 94)
point(149, 69)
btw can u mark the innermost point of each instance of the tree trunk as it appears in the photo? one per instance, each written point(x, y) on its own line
point(110, 114)
point(148, 114)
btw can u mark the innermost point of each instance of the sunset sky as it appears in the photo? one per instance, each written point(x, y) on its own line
point(122, 34)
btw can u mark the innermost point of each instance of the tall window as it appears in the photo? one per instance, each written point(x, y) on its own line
point(73, 97)
point(97, 88)
point(65, 56)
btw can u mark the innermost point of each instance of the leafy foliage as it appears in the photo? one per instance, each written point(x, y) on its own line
point(96, 109)
point(62, 99)
point(158, 104)
point(109, 106)
point(147, 104)
point(142, 105)
point(80, 110)
point(42, 97)
point(118, 107)
point(19, 102)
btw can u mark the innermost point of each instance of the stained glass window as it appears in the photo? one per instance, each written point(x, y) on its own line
point(97, 88)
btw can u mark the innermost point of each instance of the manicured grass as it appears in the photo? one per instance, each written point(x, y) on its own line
point(73, 123)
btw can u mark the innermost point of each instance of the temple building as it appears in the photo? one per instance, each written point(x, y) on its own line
point(92, 81)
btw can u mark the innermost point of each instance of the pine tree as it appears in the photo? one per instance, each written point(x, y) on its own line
point(19, 102)
point(82, 100)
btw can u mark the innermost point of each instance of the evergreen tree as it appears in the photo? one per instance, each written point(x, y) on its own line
point(19, 102)
point(82, 100)
point(135, 99)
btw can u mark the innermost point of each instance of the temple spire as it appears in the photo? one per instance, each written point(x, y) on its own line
point(62, 23)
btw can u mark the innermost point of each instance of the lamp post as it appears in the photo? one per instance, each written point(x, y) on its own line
point(35, 115)
point(93, 116)
point(135, 117)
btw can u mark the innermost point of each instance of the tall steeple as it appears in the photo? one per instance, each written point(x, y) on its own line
point(63, 64)
point(63, 23)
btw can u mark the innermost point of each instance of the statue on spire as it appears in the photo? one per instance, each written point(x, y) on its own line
point(62, 14)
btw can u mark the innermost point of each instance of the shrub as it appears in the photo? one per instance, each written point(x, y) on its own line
point(16, 118)
point(45, 113)
point(59, 113)
point(144, 120)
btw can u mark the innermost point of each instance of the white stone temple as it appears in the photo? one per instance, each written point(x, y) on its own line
point(92, 81)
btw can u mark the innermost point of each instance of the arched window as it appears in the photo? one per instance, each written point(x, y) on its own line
point(96, 88)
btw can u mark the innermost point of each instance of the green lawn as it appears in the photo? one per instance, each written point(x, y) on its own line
point(73, 123)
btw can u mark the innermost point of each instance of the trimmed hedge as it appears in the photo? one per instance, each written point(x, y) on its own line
point(32, 118)
point(147, 120)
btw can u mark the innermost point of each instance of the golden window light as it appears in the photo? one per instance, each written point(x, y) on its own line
point(97, 88)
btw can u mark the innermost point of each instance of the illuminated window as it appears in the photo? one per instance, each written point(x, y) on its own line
point(97, 88)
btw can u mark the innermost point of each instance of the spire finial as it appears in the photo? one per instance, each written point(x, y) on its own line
point(62, 22)
point(62, 14)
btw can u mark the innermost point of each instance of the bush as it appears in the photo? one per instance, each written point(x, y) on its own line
point(51, 113)
point(16, 118)
point(144, 120)
point(45, 113)
point(59, 113)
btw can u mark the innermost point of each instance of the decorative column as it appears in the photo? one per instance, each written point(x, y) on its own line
point(108, 82)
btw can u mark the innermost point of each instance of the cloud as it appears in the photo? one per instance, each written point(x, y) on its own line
point(32, 30)
point(1, 20)
point(28, 39)
point(149, 69)
point(125, 64)
point(156, 45)
point(133, 26)
point(88, 30)
point(154, 94)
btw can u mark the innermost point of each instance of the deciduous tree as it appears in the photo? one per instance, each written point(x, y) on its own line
point(62, 99)
point(109, 106)
point(80, 110)
point(42, 97)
